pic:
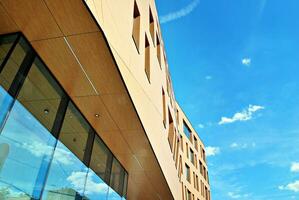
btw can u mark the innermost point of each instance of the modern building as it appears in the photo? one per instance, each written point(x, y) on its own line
point(87, 105)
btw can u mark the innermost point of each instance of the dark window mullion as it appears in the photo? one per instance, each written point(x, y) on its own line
point(88, 148)
point(108, 168)
point(10, 52)
point(64, 102)
point(22, 73)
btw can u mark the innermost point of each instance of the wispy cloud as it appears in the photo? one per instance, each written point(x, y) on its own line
point(295, 167)
point(236, 196)
point(180, 13)
point(212, 151)
point(201, 126)
point(208, 77)
point(294, 186)
point(246, 61)
point(236, 145)
point(244, 115)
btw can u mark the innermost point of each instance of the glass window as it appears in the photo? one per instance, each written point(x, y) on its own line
point(187, 169)
point(5, 103)
point(147, 62)
point(6, 43)
point(74, 132)
point(117, 176)
point(136, 26)
point(11, 67)
point(41, 94)
point(125, 187)
point(26, 146)
point(152, 25)
point(195, 143)
point(67, 176)
point(187, 130)
point(192, 156)
point(188, 195)
point(95, 188)
point(113, 195)
point(101, 159)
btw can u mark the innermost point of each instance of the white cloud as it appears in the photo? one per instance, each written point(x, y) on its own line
point(295, 167)
point(246, 61)
point(180, 13)
point(201, 126)
point(208, 77)
point(245, 115)
point(294, 186)
point(236, 145)
point(77, 179)
point(237, 196)
point(281, 187)
point(212, 151)
point(233, 195)
point(39, 149)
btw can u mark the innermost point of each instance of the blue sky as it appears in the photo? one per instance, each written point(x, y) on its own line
point(235, 66)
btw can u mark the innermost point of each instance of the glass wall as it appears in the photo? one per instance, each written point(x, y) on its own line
point(47, 148)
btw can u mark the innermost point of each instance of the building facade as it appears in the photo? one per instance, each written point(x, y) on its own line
point(87, 105)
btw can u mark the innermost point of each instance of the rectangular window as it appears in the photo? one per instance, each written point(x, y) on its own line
point(164, 107)
point(202, 188)
point(200, 167)
point(197, 186)
point(117, 177)
point(180, 168)
point(187, 130)
point(158, 50)
point(204, 155)
point(152, 25)
point(188, 195)
point(136, 26)
point(206, 193)
point(74, 132)
point(12, 53)
point(182, 142)
point(194, 181)
point(187, 150)
point(195, 143)
point(147, 58)
point(192, 156)
point(40, 94)
point(187, 169)
point(171, 133)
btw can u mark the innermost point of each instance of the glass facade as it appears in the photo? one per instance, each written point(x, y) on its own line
point(47, 148)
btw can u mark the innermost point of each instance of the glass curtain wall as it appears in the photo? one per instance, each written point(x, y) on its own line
point(47, 148)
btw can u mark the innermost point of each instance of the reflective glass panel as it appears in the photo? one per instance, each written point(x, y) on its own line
point(6, 43)
point(112, 195)
point(117, 176)
point(99, 158)
point(5, 103)
point(26, 146)
point(14, 62)
point(95, 188)
point(74, 132)
point(40, 94)
point(67, 176)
